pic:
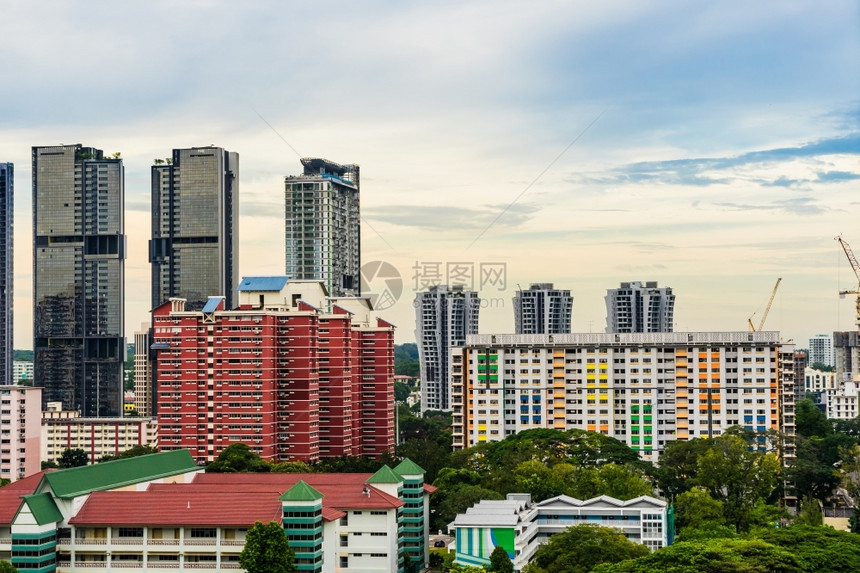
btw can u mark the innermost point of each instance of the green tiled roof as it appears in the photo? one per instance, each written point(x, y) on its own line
point(385, 475)
point(409, 468)
point(43, 508)
point(301, 492)
point(110, 475)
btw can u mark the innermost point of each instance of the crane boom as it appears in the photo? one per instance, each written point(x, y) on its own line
point(854, 267)
point(769, 303)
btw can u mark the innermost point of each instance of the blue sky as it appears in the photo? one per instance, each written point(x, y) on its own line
point(713, 147)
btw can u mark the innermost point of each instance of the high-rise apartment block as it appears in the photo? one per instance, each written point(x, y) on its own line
point(543, 309)
point(643, 389)
point(19, 426)
point(323, 226)
point(443, 318)
point(821, 350)
point(78, 277)
point(143, 394)
point(7, 217)
point(279, 373)
point(636, 308)
point(194, 249)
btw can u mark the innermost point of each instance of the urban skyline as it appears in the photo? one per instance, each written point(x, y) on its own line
point(713, 148)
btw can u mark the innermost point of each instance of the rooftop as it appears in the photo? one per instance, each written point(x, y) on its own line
point(262, 284)
point(110, 475)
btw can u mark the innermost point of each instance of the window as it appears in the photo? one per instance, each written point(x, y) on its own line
point(203, 532)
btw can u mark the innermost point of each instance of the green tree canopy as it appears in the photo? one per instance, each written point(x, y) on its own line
point(267, 551)
point(820, 549)
point(696, 508)
point(712, 556)
point(500, 562)
point(580, 548)
point(133, 452)
point(738, 475)
point(810, 420)
point(7, 567)
point(73, 458)
point(238, 457)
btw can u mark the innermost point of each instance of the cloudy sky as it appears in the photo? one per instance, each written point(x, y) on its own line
point(710, 146)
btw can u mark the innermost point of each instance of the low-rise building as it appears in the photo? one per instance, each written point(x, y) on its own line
point(19, 431)
point(161, 512)
point(98, 437)
point(521, 527)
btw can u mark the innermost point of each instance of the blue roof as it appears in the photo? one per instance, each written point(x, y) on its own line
point(269, 284)
point(212, 304)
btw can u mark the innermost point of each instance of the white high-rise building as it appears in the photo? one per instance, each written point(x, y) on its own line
point(821, 350)
point(443, 318)
point(542, 309)
point(636, 308)
point(643, 389)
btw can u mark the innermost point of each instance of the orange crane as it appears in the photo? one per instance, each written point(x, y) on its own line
point(766, 309)
point(856, 268)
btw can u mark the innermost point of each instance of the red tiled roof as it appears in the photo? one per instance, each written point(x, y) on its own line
point(10, 496)
point(330, 514)
point(340, 491)
point(178, 508)
point(430, 488)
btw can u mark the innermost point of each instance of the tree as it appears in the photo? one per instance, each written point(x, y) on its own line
point(738, 475)
point(696, 508)
point(133, 452)
point(580, 548)
point(820, 549)
point(500, 562)
point(7, 567)
point(458, 500)
point(267, 551)
point(401, 391)
point(679, 464)
point(712, 556)
point(292, 468)
point(809, 420)
point(238, 457)
point(73, 458)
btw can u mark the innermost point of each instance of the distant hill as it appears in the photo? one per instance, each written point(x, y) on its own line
point(22, 355)
point(406, 359)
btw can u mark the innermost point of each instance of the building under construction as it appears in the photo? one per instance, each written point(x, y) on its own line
point(323, 226)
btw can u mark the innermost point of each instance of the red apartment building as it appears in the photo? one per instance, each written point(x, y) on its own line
point(279, 373)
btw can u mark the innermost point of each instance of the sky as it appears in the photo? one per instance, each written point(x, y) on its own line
point(712, 147)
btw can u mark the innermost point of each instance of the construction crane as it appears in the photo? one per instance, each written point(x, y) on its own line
point(856, 268)
point(766, 309)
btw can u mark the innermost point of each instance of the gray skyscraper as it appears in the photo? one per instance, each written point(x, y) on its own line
point(194, 249)
point(7, 212)
point(637, 308)
point(323, 226)
point(443, 318)
point(78, 278)
point(543, 309)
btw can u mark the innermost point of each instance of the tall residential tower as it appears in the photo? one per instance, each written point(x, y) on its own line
point(543, 309)
point(6, 270)
point(637, 308)
point(323, 226)
point(443, 318)
point(78, 278)
point(194, 249)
